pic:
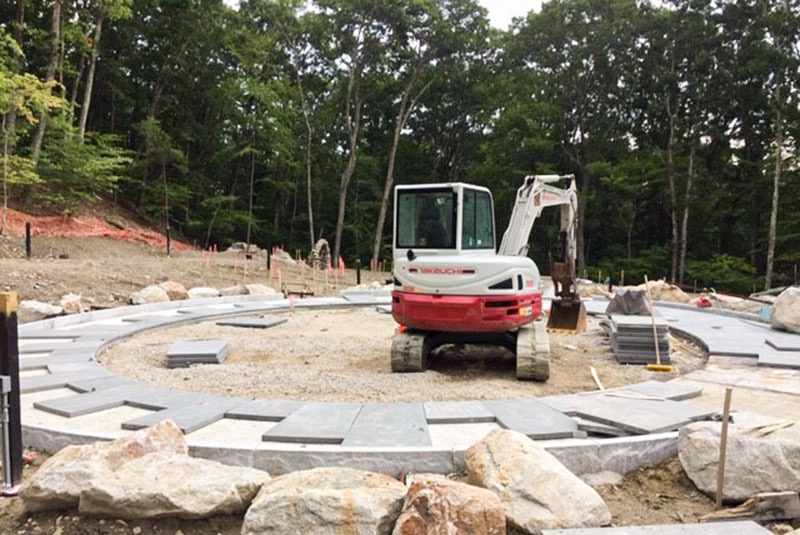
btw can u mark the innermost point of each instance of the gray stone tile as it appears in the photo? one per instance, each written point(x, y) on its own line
point(198, 348)
point(384, 309)
point(103, 383)
point(316, 423)
point(675, 392)
point(44, 334)
point(51, 381)
point(596, 428)
point(360, 299)
point(596, 307)
point(783, 343)
point(87, 403)
point(188, 418)
point(779, 359)
point(457, 412)
point(253, 323)
point(265, 410)
point(33, 363)
point(708, 528)
point(532, 418)
point(389, 425)
point(161, 398)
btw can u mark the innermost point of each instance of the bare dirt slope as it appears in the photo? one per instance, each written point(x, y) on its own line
point(106, 271)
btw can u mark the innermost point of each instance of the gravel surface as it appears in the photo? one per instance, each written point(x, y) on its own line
point(343, 355)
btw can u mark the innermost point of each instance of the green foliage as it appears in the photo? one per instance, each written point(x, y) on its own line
point(724, 273)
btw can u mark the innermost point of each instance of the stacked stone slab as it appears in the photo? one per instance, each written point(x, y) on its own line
point(182, 354)
point(633, 342)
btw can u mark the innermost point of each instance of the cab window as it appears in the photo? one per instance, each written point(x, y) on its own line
point(477, 228)
point(426, 219)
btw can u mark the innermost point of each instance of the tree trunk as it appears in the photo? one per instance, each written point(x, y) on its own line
point(353, 126)
point(6, 135)
point(250, 201)
point(87, 93)
point(75, 86)
point(55, 41)
point(673, 195)
point(773, 216)
point(685, 221)
point(403, 114)
point(309, 135)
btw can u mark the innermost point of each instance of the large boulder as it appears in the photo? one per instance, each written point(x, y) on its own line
point(536, 490)
point(201, 292)
point(30, 310)
point(436, 505)
point(149, 294)
point(786, 311)
point(239, 289)
point(661, 290)
point(59, 482)
point(259, 289)
point(175, 290)
point(754, 462)
point(71, 304)
point(163, 484)
point(326, 501)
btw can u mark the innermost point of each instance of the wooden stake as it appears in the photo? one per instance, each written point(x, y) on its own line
point(9, 365)
point(723, 445)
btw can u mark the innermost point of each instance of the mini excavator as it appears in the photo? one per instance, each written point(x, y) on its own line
point(452, 285)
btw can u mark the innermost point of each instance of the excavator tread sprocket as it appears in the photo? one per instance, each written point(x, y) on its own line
point(533, 352)
point(409, 352)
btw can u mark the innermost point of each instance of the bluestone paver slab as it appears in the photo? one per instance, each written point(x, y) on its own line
point(316, 423)
point(384, 309)
point(188, 418)
point(596, 428)
point(675, 392)
point(457, 412)
point(38, 383)
point(264, 410)
point(389, 425)
point(360, 299)
point(253, 323)
point(33, 363)
point(60, 346)
point(161, 398)
point(639, 416)
point(595, 307)
point(102, 383)
point(80, 404)
point(783, 344)
point(779, 359)
point(708, 528)
point(532, 418)
point(44, 334)
point(198, 348)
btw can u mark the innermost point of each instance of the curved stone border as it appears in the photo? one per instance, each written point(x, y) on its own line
point(92, 331)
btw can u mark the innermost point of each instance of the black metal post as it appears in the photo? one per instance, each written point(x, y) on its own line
point(269, 257)
point(169, 242)
point(358, 271)
point(28, 251)
point(9, 365)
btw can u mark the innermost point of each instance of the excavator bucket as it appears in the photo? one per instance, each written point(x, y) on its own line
point(567, 315)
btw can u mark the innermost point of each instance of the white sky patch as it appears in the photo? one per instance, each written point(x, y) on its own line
point(501, 12)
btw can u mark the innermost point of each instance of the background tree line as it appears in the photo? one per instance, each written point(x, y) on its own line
point(279, 123)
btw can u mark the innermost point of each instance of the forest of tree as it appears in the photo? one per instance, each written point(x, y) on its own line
point(283, 121)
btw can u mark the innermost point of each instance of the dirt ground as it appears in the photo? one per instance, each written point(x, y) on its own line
point(343, 355)
point(106, 271)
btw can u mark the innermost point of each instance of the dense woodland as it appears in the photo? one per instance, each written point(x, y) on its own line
point(283, 121)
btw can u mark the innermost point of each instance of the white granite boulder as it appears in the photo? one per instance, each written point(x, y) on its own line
point(58, 483)
point(786, 311)
point(238, 289)
point(536, 490)
point(436, 505)
point(30, 310)
point(175, 290)
point(326, 501)
point(259, 289)
point(149, 294)
point(71, 304)
point(201, 292)
point(755, 462)
point(162, 484)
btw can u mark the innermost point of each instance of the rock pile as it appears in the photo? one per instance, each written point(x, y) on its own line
point(661, 290)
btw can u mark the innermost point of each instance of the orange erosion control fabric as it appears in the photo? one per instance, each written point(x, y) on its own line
point(86, 227)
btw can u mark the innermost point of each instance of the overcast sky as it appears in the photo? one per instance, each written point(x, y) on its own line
point(502, 11)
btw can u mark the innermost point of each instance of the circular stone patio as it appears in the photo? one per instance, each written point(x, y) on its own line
point(68, 397)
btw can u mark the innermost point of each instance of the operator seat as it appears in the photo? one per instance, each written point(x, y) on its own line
point(431, 231)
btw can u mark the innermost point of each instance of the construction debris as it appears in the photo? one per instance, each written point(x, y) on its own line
point(764, 507)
